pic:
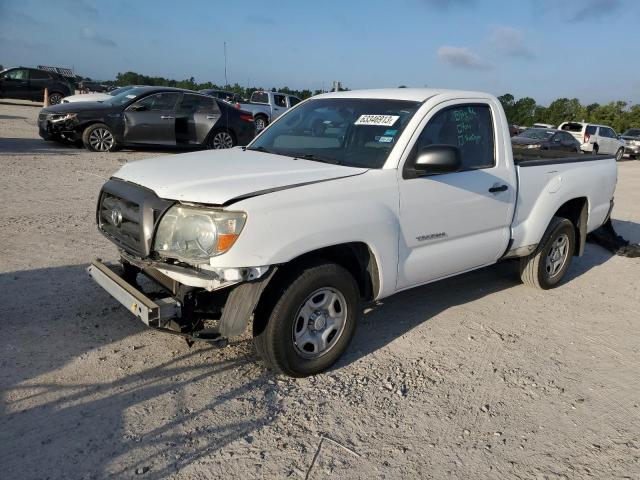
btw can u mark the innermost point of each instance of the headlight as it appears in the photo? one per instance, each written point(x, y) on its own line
point(535, 145)
point(194, 234)
point(62, 117)
point(635, 142)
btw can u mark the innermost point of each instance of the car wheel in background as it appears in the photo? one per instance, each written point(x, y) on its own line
point(261, 123)
point(546, 267)
point(99, 138)
point(221, 139)
point(310, 321)
point(55, 98)
point(619, 154)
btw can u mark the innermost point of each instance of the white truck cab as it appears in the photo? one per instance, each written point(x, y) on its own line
point(347, 198)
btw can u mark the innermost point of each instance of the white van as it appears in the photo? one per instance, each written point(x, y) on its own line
point(595, 138)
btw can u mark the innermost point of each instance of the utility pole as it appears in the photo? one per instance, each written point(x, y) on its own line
point(226, 80)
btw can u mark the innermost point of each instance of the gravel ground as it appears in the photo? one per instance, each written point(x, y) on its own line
point(473, 377)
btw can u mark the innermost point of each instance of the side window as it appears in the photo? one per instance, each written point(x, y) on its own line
point(568, 138)
point(38, 75)
point(293, 101)
point(557, 138)
point(207, 105)
point(189, 103)
point(468, 127)
point(591, 130)
point(158, 102)
point(280, 101)
point(18, 74)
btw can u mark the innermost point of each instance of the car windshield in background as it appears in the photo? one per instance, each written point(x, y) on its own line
point(346, 131)
point(537, 134)
point(118, 91)
point(127, 96)
point(632, 132)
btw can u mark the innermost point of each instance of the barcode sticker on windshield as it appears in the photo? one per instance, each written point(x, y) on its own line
point(377, 120)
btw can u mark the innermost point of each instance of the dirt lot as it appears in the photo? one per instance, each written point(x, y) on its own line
point(474, 377)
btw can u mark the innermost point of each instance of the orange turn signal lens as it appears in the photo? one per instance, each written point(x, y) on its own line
point(226, 241)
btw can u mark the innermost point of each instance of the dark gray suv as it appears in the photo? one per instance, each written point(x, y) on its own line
point(22, 83)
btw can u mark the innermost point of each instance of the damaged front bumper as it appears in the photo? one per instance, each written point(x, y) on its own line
point(57, 126)
point(189, 311)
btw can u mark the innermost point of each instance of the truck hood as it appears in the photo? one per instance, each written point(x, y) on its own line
point(220, 177)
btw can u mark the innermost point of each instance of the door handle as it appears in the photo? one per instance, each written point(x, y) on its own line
point(499, 188)
point(167, 117)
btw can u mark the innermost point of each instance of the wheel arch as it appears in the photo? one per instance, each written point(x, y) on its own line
point(576, 211)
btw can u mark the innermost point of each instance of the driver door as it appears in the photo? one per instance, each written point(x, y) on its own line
point(15, 84)
point(152, 120)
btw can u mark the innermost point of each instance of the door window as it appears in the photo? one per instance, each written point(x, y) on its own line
point(158, 102)
point(293, 101)
point(39, 75)
point(280, 101)
point(591, 130)
point(468, 127)
point(17, 74)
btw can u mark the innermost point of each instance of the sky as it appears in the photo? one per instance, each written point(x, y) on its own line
point(545, 49)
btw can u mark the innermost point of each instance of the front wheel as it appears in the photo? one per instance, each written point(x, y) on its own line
point(546, 267)
point(261, 123)
point(99, 138)
point(312, 322)
point(619, 154)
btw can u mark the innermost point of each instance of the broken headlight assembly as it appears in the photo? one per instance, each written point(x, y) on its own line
point(194, 234)
point(62, 117)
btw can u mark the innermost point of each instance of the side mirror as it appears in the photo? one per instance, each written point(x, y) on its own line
point(436, 159)
point(139, 108)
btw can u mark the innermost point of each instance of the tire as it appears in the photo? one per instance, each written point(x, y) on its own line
point(261, 123)
point(55, 98)
point(221, 139)
point(99, 138)
point(541, 269)
point(619, 154)
point(320, 301)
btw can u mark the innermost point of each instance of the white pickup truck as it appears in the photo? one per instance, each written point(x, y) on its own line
point(347, 198)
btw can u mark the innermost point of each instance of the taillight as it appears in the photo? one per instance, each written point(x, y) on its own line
point(586, 138)
point(246, 118)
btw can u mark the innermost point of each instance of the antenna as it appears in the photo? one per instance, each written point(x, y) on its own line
point(226, 81)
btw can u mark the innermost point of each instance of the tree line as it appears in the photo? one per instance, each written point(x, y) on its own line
point(525, 111)
point(133, 78)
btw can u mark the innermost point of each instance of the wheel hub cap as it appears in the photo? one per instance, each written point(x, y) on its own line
point(319, 322)
point(557, 255)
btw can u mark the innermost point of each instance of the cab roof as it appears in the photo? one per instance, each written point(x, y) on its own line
point(410, 94)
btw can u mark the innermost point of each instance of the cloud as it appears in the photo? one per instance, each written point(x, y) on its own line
point(81, 7)
point(462, 57)
point(446, 4)
point(510, 41)
point(260, 20)
point(587, 9)
point(91, 36)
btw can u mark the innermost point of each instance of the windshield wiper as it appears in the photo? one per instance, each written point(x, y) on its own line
point(315, 158)
point(261, 149)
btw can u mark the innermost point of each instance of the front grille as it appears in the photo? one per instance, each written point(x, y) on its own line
point(127, 214)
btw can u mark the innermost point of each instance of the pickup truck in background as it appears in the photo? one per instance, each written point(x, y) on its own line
point(267, 106)
point(292, 234)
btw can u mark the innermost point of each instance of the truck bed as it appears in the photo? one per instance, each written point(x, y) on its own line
point(549, 179)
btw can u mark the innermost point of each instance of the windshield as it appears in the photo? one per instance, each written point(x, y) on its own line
point(118, 91)
point(127, 96)
point(537, 134)
point(632, 132)
point(356, 132)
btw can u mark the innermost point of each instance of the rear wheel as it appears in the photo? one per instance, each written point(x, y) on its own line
point(619, 154)
point(546, 267)
point(261, 122)
point(55, 98)
point(312, 321)
point(99, 138)
point(221, 139)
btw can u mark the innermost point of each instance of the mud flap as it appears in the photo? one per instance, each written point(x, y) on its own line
point(240, 305)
